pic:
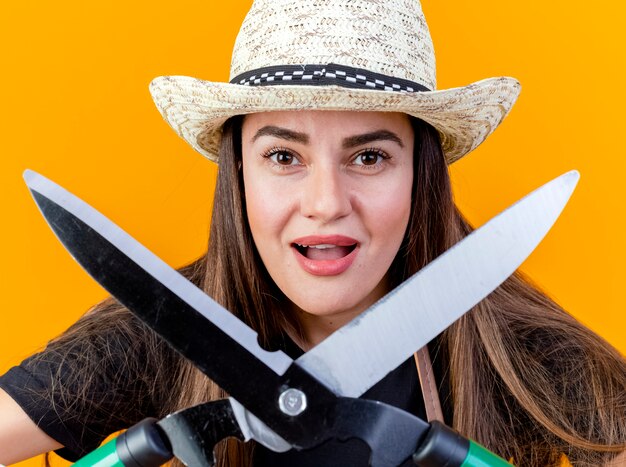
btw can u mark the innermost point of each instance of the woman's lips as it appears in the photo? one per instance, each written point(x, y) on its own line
point(325, 255)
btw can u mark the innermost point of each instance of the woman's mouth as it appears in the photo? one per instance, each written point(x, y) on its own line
point(324, 251)
point(325, 255)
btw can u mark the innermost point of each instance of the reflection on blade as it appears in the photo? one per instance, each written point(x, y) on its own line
point(361, 353)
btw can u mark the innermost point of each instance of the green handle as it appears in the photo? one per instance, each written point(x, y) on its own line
point(478, 456)
point(142, 444)
point(105, 456)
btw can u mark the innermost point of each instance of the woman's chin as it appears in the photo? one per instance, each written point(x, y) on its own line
point(331, 311)
point(336, 300)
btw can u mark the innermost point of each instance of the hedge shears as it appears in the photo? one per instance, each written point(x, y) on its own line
point(298, 404)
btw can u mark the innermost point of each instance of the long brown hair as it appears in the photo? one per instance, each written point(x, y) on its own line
point(526, 379)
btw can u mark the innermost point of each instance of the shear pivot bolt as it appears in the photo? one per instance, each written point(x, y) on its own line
point(292, 402)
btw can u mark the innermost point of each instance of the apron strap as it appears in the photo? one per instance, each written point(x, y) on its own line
point(428, 384)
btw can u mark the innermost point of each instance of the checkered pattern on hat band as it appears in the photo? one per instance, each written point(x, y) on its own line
point(324, 75)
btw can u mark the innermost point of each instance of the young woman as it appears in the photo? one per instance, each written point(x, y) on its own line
point(333, 188)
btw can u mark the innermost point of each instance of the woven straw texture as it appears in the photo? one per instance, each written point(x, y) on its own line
point(389, 37)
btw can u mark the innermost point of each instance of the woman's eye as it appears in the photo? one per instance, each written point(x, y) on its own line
point(369, 157)
point(282, 157)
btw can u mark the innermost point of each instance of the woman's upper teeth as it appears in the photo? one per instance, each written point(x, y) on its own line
point(322, 246)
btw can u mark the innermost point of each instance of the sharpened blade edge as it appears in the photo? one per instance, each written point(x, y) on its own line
point(361, 353)
point(154, 266)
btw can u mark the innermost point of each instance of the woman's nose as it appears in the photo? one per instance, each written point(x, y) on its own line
point(325, 195)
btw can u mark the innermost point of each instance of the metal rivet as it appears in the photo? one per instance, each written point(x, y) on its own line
point(292, 402)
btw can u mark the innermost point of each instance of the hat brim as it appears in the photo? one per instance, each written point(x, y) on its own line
point(463, 116)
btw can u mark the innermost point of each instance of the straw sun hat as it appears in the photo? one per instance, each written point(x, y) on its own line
point(366, 55)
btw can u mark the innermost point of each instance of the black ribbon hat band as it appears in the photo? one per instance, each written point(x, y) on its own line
point(325, 75)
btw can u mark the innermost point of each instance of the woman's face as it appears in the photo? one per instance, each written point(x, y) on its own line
point(328, 196)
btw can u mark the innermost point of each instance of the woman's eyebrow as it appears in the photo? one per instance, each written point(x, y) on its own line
point(379, 135)
point(348, 143)
point(282, 133)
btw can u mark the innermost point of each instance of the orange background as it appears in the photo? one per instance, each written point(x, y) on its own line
point(75, 107)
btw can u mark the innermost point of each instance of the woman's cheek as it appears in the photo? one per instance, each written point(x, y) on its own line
point(388, 208)
point(267, 204)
